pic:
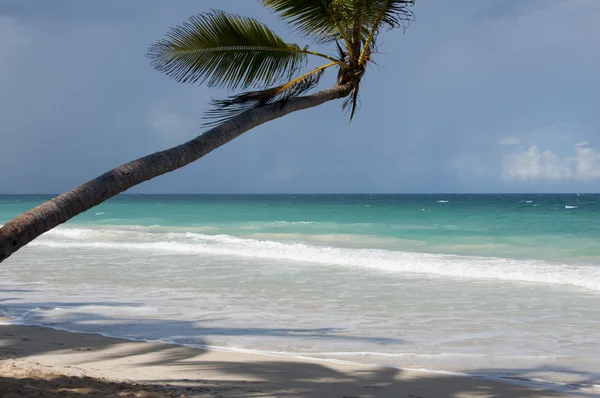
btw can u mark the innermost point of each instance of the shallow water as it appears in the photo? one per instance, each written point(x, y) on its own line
point(501, 285)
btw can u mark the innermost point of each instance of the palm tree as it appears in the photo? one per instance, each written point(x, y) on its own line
point(235, 52)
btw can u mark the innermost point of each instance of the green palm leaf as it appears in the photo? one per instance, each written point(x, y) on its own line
point(322, 20)
point(393, 13)
point(227, 51)
point(374, 14)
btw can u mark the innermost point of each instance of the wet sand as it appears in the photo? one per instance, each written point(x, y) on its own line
point(42, 362)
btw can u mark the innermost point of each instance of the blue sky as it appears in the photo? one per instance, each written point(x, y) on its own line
point(476, 96)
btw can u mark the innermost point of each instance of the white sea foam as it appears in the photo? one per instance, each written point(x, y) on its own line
point(322, 301)
point(570, 207)
point(191, 243)
point(443, 201)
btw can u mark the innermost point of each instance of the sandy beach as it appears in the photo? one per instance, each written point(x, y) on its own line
point(42, 362)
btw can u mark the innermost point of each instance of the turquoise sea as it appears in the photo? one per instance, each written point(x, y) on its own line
point(497, 285)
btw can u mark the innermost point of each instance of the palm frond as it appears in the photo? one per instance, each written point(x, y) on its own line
point(351, 102)
point(359, 27)
point(226, 50)
point(393, 13)
point(323, 20)
point(224, 110)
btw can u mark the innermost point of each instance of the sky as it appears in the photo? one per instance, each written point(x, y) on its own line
point(475, 96)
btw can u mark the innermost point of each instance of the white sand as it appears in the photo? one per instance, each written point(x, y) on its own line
point(41, 362)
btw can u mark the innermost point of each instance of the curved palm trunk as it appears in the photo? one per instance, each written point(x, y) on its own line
point(28, 226)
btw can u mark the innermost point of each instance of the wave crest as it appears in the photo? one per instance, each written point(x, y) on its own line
point(446, 265)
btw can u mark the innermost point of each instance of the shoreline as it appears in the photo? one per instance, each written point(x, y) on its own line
point(229, 372)
point(526, 382)
point(535, 382)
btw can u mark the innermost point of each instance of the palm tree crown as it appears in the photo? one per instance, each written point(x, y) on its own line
point(234, 52)
point(230, 51)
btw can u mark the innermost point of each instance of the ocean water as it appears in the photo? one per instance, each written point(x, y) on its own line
point(498, 285)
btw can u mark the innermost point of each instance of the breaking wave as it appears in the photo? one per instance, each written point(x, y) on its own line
point(445, 265)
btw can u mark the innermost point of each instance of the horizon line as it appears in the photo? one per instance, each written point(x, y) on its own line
point(327, 193)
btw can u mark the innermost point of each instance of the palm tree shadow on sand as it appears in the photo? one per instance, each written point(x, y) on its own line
point(196, 373)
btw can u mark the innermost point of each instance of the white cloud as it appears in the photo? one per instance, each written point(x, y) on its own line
point(588, 162)
point(533, 164)
point(510, 140)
